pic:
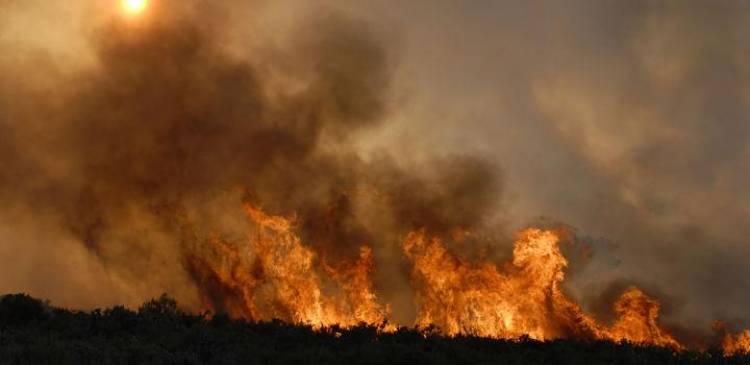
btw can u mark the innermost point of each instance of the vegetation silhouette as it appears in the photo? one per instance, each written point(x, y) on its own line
point(33, 332)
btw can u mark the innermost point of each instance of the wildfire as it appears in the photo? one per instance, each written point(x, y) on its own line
point(460, 298)
point(273, 275)
point(731, 343)
point(524, 299)
point(737, 343)
point(638, 320)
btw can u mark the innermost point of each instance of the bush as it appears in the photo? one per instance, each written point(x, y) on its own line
point(159, 333)
point(20, 309)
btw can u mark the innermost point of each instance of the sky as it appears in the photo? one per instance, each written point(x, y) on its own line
point(625, 121)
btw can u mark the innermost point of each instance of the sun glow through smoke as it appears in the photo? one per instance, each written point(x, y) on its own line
point(134, 6)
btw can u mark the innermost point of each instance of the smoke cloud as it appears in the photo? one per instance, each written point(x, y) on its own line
point(126, 144)
point(623, 120)
point(148, 153)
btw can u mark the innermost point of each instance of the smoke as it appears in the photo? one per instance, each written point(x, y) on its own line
point(151, 151)
point(623, 120)
point(126, 145)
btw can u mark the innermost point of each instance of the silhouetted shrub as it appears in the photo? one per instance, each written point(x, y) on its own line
point(159, 333)
point(164, 306)
point(20, 309)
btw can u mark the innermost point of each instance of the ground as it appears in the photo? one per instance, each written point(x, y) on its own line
point(32, 332)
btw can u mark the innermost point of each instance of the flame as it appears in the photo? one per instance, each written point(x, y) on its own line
point(459, 297)
point(274, 275)
point(638, 320)
point(733, 343)
point(737, 344)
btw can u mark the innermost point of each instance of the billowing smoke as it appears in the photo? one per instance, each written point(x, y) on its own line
point(128, 145)
point(625, 120)
point(151, 151)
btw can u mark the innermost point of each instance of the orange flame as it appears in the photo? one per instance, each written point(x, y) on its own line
point(638, 320)
point(273, 275)
point(737, 344)
point(733, 343)
point(524, 299)
point(460, 298)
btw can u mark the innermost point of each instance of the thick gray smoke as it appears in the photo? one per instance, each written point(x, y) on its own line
point(625, 119)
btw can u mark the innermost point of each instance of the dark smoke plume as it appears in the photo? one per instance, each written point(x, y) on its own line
point(149, 153)
point(123, 154)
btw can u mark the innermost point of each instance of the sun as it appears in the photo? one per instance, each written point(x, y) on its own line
point(134, 6)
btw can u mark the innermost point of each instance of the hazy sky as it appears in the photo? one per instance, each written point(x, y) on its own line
point(626, 120)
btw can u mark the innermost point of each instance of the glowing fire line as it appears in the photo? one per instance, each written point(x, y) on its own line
point(275, 276)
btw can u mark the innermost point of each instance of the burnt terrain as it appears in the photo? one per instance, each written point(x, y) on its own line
point(33, 332)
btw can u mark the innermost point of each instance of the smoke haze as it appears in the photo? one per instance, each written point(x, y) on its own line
point(126, 144)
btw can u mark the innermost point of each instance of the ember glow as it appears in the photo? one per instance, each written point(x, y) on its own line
point(280, 162)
